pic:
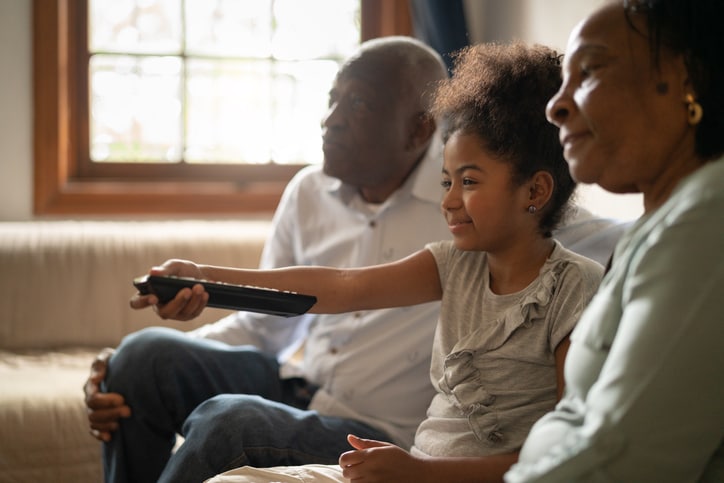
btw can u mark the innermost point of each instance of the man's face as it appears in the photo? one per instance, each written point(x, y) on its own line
point(367, 126)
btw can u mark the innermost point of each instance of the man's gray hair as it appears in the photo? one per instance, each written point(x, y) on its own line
point(420, 64)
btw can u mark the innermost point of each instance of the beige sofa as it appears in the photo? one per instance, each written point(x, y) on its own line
point(64, 290)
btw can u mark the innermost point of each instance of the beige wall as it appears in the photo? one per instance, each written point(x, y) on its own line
point(542, 21)
point(16, 152)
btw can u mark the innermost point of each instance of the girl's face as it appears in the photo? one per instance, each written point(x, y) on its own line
point(483, 208)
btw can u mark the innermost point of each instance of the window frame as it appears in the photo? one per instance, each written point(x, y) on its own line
point(66, 184)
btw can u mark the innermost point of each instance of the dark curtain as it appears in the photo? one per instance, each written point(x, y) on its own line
point(441, 25)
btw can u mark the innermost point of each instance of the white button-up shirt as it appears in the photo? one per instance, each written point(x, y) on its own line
point(373, 365)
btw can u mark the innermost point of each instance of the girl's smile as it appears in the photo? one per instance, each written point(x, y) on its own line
point(457, 226)
point(482, 206)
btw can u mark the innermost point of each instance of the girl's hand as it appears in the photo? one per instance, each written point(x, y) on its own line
point(188, 303)
point(376, 461)
point(178, 268)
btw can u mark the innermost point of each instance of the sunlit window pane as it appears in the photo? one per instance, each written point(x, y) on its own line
point(298, 105)
point(301, 35)
point(229, 111)
point(135, 26)
point(136, 108)
point(237, 28)
point(214, 81)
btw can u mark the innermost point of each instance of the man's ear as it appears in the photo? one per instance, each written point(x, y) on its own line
point(423, 128)
point(541, 189)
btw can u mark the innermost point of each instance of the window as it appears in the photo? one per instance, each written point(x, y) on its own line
point(213, 81)
point(80, 170)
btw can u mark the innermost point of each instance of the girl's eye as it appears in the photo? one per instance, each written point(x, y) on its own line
point(445, 184)
point(468, 181)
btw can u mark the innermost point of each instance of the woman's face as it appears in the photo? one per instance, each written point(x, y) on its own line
point(622, 120)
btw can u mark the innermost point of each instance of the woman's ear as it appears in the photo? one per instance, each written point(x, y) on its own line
point(541, 189)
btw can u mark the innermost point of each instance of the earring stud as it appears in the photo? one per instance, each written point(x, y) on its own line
point(693, 110)
point(532, 209)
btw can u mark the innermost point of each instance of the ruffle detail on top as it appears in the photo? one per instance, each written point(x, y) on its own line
point(462, 380)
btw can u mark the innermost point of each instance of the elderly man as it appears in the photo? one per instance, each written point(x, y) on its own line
point(230, 388)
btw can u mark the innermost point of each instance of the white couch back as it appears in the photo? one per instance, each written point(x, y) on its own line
point(67, 283)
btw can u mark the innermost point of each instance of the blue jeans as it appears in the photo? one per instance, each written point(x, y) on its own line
point(227, 401)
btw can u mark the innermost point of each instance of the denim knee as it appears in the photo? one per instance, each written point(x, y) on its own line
point(228, 431)
point(224, 412)
point(240, 414)
point(136, 357)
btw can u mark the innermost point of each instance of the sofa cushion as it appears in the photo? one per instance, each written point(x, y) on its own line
point(44, 424)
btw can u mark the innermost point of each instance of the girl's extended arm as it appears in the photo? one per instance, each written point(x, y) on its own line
point(412, 280)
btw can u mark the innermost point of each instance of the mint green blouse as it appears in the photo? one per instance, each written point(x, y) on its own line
point(645, 370)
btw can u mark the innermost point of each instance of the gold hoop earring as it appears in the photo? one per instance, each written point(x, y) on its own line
point(693, 110)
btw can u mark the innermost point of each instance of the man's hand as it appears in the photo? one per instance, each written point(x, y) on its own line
point(104, 409)
point(188, 303)
point(376, 461)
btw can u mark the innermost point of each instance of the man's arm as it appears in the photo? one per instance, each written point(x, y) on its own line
point(267, 332)
point(105, 409)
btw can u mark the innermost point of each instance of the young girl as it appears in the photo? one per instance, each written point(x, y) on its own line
point(510, 293)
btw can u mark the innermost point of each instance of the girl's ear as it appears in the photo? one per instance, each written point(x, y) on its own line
point(541, 189)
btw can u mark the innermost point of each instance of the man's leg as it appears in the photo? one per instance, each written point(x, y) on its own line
point(229, 431)
point(163, 375)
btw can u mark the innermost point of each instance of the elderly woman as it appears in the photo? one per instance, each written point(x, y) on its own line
point(640, 110)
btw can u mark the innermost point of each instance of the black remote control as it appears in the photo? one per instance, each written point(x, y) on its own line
point(229, 296)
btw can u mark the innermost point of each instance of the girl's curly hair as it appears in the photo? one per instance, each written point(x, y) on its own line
point(499, 93)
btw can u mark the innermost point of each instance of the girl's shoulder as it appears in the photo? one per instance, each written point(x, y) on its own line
point(576, 261)
point(575, 271)
point(445, 251)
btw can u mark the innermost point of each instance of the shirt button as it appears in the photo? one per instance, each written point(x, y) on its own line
point(373, 223)
point(333, 351)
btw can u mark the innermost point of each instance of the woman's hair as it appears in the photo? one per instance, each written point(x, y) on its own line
point(499, 94)
point(691, 28)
